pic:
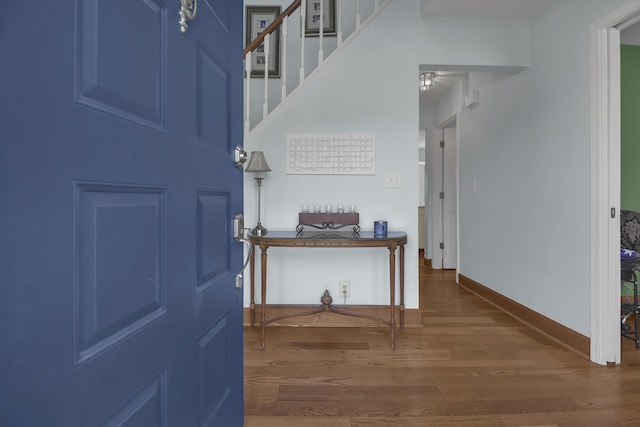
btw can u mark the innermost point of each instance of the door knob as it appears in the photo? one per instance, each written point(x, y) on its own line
point(240, 156)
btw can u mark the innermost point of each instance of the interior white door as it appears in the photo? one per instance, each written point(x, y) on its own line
point(435, 188)
point(449, 201)
point(443, 198)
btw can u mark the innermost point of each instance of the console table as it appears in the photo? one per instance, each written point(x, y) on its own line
point(332, 239)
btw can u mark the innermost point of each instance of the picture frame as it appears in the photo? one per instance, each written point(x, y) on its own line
point(312, 24)
point(258, 18)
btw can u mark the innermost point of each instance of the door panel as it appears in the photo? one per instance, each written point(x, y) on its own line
point(118, 304)
point(112, 32)
point(114, 297)
point(450, 201)
point(444, 198)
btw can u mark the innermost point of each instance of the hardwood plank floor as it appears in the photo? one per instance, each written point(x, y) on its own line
point(469, 365)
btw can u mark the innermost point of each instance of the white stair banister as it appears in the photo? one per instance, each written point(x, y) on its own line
point(265, 105)
point(339, 24)
point(247, 92)
point(321, 35)
point(347, 20)
point(303, 29)
point(283, 74)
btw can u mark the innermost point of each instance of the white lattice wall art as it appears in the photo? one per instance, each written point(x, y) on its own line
point(331, 154)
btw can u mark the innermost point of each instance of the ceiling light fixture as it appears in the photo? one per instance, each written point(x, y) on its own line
point(427, 81)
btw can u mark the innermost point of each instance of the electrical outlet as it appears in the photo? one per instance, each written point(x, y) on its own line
point(393, 180)
point(345, 289)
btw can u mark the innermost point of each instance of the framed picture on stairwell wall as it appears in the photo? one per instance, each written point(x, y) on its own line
point(312, 21)
point(258, 18)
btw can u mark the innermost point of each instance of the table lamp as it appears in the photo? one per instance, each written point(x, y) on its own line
point(258, 164)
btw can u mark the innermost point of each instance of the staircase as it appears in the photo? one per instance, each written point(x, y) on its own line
point(279, 61)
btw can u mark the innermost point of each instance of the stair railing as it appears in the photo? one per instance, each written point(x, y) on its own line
point(297, 12)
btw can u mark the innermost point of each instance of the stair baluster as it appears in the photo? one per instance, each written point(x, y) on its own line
point(289, 88)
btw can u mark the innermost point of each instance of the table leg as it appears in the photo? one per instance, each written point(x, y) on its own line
point(263, 297)
point(401, 261)
point(252, 306)
point(392, 294)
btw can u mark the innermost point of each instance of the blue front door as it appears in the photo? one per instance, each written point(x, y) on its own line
point(118, 304)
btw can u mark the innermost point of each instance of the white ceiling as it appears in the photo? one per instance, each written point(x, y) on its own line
point(501, 9)
point(498, 9)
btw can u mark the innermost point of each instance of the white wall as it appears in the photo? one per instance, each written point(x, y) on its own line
point(525, 232)
point(370, 88)
point(293, 48)
point(343, 102)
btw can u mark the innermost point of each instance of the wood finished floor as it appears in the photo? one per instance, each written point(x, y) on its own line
point(470, 365)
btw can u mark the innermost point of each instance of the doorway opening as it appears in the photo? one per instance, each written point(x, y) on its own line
point(605, 181)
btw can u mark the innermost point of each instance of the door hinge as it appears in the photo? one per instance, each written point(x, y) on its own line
point(441, 245)
point(442, 144)
point(442, 194)
point(613, 212)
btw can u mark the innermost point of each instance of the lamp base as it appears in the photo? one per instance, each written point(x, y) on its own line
point(259, 230)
